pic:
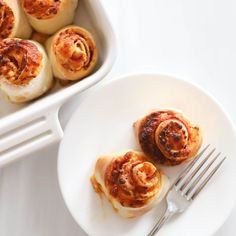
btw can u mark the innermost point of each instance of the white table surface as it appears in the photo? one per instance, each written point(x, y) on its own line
point(192, 39)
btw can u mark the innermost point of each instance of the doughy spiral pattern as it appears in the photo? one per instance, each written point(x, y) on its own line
point(168, 137)
point(42, 9)
point(73, 50)
point(132, 180)
point(20, 61)
point(7, 20)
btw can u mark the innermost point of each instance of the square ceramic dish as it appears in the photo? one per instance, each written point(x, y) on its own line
point(29, 127)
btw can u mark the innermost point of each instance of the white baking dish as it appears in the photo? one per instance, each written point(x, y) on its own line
point(29, 127)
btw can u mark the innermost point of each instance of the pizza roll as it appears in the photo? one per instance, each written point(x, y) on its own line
point(72, 52)
point(13, 22)
point(132, 184)
point(25, 71)
point(48, 16)
point(168, 137)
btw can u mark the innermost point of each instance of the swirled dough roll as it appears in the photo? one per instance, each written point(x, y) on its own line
point(72, 52)
point(48, 16)
point(25, 71)
point(131, 183)
point(13, 22)
point(168, 137)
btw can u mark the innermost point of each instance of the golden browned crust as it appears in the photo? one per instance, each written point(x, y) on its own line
point(7, 20)
point(96, 186)
point(168, 137)
point(132, 180)
point(75, 50)
point(20, 61)
point(41, 9)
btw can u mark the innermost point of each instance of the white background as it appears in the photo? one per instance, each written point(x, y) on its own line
point(192, 39)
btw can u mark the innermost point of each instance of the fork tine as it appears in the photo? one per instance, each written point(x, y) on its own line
point(195, 171)
point(195, 182)
point(203, 184)
point(190, 165)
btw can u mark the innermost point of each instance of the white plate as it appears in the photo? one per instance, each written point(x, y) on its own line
point(102, 124)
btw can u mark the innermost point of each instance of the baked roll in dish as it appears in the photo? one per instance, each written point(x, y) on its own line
point(72, 52)
point(48, 16)
point(25, 71)
point(13, 22)
point(168, 137)
point(132, 184)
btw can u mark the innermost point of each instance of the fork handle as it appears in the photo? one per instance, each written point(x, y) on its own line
point(166, 216)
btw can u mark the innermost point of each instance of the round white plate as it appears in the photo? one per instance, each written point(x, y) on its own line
point(103, 123)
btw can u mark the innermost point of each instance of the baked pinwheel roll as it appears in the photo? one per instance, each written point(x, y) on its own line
point(48, 16)
point(72, 52)
point(132, 184)
point(13, 22)
point(168, 137)
point(25, 71)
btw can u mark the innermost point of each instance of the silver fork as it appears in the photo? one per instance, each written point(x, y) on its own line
point(188, 185)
